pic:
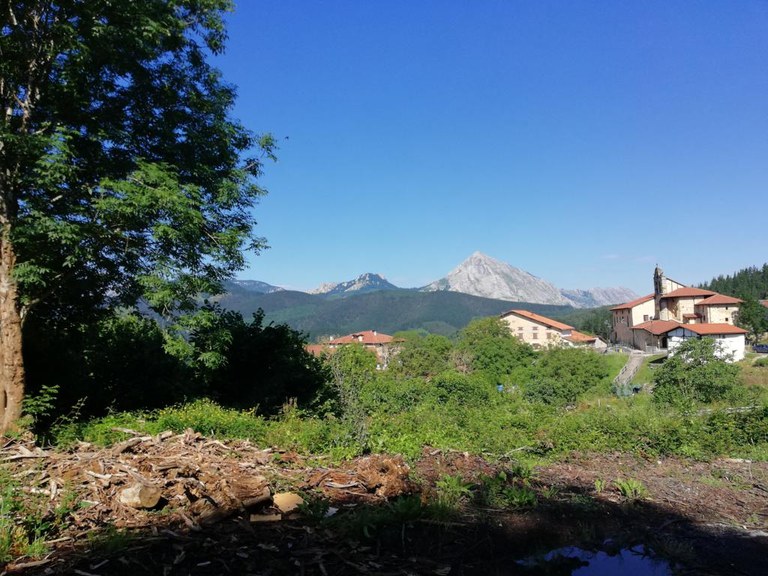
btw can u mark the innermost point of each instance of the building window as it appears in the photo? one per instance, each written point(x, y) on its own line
point(535, 336)
point(535, 328)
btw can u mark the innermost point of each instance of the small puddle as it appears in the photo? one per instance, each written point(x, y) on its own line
point(635, 561)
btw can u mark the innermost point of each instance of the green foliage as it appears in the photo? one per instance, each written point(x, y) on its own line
point(597, 321)
point(452, 491)
point(314, 507)
point(208, 418)
point(761, 362)
point(695, 373)
point(499, 491)
point(560, 375)
point(117, 362)
point(422, 356)
point(462, 389)
point(631, 488)
point(753, 317)
point(123, 177)
point(352, 369)
point(486, 345)
point(118, 189)
point(747, 283)
point(42, 403)
point(246, 364)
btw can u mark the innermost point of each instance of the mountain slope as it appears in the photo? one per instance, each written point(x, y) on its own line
point(481, 275)
point(387, 311)
point(595, 297)
point(251, 286)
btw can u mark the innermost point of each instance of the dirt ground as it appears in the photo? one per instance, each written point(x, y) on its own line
point(185, 504)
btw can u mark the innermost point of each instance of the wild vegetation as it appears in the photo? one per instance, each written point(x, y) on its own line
point(483, 392)
point(125, 195)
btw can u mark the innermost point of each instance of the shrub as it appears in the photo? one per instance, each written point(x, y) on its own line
point(696, 372)
point(560, 375)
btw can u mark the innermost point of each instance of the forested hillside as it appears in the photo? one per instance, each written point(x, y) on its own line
point(388, 311)
point(749, 282)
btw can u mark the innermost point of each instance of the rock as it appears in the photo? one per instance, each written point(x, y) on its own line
point(140, 496)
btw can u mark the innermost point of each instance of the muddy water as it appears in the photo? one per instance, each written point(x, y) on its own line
point(636, 561)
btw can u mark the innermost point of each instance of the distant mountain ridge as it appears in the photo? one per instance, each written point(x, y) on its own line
point(481, 275)
point(253, 286)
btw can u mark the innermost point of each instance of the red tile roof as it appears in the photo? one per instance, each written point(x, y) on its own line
point(633, 303)
point(713, 329)
point(538, 318)
point(764, 303)
point(690, 316)
point(580, 338)
point(365, 337)
point(316, 349)
point(658, 327)
point(719, 299)
point(688, 292)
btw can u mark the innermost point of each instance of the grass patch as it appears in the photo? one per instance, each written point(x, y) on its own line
point(614, 363)
point(645, 373)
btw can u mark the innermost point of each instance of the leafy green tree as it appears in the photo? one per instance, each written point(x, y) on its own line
point(248, 365)
point(122, 174)
point(696, 372)
point(597, 322)
point(753, 317)
point(487, 345)
point(421, 356)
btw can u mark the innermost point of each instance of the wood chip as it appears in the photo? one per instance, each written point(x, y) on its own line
point(287, 501)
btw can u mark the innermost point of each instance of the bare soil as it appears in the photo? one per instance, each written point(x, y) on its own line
point(186, 504)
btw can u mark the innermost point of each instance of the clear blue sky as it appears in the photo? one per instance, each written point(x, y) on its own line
point(581, 141)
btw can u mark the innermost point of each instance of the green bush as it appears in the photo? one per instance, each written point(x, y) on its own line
point(560, 375)
point(695, 373)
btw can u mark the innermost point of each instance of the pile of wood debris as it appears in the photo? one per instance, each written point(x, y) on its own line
point(183, 486)
point(187, 504)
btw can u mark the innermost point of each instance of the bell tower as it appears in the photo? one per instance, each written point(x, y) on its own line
point(658, 281)
point(658, 292)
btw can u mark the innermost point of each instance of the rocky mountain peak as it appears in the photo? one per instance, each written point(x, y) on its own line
point(368, 282)
point(481, 275)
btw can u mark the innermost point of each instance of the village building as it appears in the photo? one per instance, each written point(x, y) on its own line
point(542, 332)
point(383, 345)
point(674, 313)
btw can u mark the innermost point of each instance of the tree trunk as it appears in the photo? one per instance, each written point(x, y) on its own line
point(11, 360)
